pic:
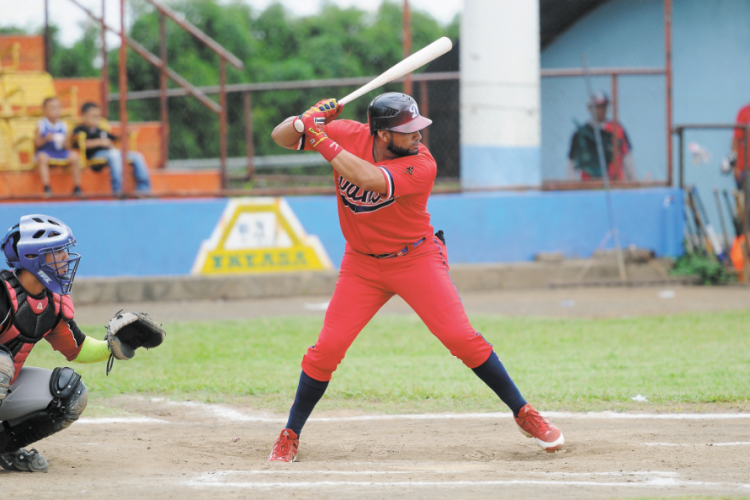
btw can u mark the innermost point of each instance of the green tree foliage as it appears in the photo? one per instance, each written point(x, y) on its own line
point(274, 45)
point(76, 61)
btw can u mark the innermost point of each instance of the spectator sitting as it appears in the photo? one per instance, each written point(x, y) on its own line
point(583, 155)
point(100, 144)
point(52, 145)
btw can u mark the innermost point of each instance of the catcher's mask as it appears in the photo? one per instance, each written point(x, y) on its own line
point(27, 244)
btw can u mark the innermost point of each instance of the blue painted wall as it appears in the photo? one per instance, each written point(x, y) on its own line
point(711, 69)
point(130, 238)
point(153, 238)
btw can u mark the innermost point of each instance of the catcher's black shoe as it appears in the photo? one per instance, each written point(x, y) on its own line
point(26, 461)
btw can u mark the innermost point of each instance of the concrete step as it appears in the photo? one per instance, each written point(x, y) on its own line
point(467, 277)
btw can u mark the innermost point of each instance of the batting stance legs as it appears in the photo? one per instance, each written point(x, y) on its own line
point(38, 404)
point(421, 278)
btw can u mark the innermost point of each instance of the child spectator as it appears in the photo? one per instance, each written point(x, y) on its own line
point(100, 144)
point(53, 145)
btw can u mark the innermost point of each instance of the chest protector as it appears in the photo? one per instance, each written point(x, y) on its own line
point(30, 319)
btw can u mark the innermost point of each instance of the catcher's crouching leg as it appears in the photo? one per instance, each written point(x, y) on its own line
point(69, 399)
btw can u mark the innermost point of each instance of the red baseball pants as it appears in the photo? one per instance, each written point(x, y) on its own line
point(365, 284)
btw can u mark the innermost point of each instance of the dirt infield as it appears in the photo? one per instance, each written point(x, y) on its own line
point(188, 450)
point(573, 302)
point(164, 449)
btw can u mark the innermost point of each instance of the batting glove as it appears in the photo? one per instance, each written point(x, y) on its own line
point(315, 134)
point(330, 107)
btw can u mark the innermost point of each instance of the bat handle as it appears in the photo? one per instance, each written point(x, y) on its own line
point(298, 125)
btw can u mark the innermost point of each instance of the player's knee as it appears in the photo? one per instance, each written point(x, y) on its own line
point(318, 368)
point(473, 352)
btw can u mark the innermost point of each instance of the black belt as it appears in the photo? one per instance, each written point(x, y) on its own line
point(400, 253)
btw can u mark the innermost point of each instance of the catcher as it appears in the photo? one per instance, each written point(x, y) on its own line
point(35, 304)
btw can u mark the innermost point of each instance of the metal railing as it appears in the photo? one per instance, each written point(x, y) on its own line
point(168, 73)
point(679, 131)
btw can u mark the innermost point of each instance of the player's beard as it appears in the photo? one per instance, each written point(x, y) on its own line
point(396, 150)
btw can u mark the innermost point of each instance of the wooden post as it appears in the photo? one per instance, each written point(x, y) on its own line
point(615, 141)
point(163, 91)
point(424, 110)
point(47, 38)
point(223, 121)
point(668, 71)
point(407, 45)
point(249, 134)
point(124, 139)
point(105, 66)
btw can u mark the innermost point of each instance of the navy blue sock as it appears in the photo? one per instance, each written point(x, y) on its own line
point(309, 392)
point(493, 373)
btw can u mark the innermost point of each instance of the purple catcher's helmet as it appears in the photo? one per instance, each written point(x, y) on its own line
point(27, 244)
point(396, 112)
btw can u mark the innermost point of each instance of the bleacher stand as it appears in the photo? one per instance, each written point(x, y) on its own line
point(96, 143)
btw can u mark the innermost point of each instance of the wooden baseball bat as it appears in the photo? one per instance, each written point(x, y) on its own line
point(414, 61)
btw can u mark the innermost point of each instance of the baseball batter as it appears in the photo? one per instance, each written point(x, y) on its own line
point(35, 304)
point(384, 177)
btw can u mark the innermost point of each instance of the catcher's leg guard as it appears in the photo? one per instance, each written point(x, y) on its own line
point(7, 371)
point(69, 398)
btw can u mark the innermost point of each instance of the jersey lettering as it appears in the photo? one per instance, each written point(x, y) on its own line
point(358, 200)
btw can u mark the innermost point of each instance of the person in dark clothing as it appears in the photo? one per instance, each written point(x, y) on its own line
point(100, 144)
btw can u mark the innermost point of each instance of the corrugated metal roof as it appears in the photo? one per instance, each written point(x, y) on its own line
point(555, 16)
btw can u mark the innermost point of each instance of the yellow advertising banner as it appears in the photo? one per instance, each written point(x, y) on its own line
point(257, 235)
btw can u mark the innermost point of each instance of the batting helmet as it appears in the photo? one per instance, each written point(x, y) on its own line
point(396, 112)
point(26, 245)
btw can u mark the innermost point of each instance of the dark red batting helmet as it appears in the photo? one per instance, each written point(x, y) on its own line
point(396, 112)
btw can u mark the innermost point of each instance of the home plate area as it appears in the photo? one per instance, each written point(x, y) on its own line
point(167, 449)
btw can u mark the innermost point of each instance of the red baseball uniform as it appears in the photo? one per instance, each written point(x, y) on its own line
point(396, 222)
point(743, 118)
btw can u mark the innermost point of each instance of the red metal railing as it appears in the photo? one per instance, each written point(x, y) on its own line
point(167, 73)
point(679, 130)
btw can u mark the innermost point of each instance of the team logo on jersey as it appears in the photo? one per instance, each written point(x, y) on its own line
point(360, 201)
point(39, 307)
point(409, 170)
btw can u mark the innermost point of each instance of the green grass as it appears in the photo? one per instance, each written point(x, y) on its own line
point(397, 365)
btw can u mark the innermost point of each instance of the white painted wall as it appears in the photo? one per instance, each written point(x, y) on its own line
point(500, 93)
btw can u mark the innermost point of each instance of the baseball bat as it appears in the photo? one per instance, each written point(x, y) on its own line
point(414, 61)
point(724, 232)
point(709, 229)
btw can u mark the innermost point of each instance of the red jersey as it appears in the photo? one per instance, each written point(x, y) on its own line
point(375, 223)
point(743, 118)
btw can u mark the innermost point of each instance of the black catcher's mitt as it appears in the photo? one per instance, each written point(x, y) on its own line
point(128, 331)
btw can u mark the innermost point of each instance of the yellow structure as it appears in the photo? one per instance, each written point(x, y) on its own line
point(258, 235)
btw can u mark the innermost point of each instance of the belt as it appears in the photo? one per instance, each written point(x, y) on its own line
point(400, 253)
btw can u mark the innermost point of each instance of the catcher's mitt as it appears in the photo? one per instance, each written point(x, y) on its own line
point(128, 331)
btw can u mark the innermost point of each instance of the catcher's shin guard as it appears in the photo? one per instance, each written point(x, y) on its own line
point(7, 371)
point(69, 400)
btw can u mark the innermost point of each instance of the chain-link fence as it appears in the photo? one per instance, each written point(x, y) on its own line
point(637, 102)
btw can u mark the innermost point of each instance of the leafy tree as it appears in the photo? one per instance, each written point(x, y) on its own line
point(274, 46)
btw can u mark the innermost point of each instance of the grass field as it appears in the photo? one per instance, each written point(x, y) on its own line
point(396, 365)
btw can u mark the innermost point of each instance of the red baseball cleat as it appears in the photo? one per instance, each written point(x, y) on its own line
point(532, 424)
point(285, 448)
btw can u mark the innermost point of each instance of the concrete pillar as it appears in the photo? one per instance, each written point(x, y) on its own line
point(500, 94)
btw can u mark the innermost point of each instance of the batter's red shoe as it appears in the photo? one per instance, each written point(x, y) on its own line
point(285, 449)
point(532, 424)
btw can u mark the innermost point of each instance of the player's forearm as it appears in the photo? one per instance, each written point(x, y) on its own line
point(285, 135)
point(92, 351)
point(360, 172)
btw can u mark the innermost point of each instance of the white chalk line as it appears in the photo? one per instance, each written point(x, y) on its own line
point(230, 414)
point(651, 480)
point(735, 443)
point(121, 420)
